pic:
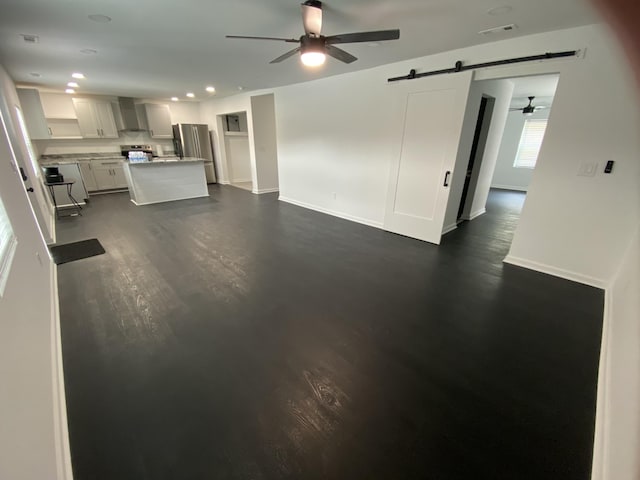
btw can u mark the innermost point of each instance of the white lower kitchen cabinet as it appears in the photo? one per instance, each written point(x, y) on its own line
point(109, 175)
point(87, 175)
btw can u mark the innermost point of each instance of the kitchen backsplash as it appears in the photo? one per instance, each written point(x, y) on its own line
point(59, 147)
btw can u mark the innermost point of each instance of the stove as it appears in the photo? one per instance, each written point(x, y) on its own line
point(135, 151)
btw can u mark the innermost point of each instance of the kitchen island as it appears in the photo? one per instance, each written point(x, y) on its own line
point(166, 180)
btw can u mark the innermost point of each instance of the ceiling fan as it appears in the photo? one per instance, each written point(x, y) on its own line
point(314, 46)
point(529, 109)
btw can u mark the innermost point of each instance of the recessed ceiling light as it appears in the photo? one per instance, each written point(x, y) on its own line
point(35, 74)
point(88, 51)
point(174, 99)
point(502, 10)
point(78, 75)
point(210, 89)
point(240, 87)
point(191, 95)
point(72, 85)
point(70, 90)
point(98, 17)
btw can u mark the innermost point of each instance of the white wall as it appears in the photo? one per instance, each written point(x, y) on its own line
point(576, 226)
point(33, 437)
point(506, 176)
point(265, 140)
point(238, 157)
point(618, 418)
point(334, 136)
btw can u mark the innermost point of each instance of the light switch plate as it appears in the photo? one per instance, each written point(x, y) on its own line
point(588, 169)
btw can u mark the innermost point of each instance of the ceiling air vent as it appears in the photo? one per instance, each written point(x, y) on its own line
point(502, 29)
point(30, 38)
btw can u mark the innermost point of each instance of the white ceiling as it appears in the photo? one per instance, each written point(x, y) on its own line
point(158, 49)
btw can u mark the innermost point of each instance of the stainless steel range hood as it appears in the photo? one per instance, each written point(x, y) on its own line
point(132, 118)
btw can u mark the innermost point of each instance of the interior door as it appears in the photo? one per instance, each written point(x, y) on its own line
point(26, 330)
point(429, 117)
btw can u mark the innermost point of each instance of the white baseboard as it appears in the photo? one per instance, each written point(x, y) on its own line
point(224, 182)
point(265, 190)
point(556, 272)
point(510, 187)
point(600, 444)
point(242, 180)
point(474, 215)
point(334, 213)
point(449, 228)
point(61, 429)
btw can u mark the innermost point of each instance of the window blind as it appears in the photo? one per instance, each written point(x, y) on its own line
point(7, 246)
point(530, 143)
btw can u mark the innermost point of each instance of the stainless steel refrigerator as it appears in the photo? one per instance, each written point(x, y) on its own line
point(192, 140)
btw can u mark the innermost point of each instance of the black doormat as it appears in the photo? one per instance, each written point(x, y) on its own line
point(70, 252)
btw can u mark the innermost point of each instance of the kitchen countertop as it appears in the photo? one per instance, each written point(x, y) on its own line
point(66, 159)
point(170, 160)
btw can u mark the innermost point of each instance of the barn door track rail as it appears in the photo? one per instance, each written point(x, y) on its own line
point(460, 67)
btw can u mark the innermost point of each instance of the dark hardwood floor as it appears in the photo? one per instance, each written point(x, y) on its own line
point(238, 337)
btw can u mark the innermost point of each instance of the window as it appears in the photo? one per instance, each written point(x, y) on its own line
point(530, 143)
point(27, 141)
point(7, 246)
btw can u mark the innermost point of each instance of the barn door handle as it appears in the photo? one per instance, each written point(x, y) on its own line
point(446, 178)
point(23, 175)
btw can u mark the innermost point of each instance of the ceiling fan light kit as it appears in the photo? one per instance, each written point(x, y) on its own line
point(312, 51)
point(314, 47)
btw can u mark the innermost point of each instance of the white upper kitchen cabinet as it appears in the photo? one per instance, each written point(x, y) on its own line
point(58, 106)
point(87, 118)
point(158, 120)
point(33, 114)
point(106, 120)
point(95, 118)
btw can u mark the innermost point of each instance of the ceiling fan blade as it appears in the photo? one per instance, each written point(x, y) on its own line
point(340, 54)
point(290, 53)
point(312, 17)
point(288, 40)
point(540, 107)
point(377, 36)
point(515, 109)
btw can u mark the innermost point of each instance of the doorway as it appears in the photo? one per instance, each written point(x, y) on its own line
point(236, 144)
point(477, 150)
point(508, 131)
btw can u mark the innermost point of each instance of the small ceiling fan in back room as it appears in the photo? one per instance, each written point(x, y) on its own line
point(314, 47)
point(529, 109)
